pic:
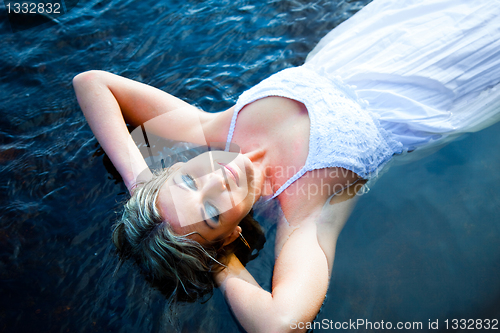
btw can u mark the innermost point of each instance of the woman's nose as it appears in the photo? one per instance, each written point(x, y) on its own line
point(215, 182)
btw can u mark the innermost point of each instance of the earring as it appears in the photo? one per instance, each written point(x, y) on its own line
point(244, 241)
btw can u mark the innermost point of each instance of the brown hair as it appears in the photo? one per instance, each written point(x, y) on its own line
point(178, 266)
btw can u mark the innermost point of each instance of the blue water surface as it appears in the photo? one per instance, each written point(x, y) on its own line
point(421, 245)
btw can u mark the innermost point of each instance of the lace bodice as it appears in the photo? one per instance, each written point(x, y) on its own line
point(342, 133)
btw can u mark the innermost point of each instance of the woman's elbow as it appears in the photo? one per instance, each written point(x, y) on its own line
point(86, 77)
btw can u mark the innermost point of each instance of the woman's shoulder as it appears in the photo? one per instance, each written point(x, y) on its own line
point(281, 124)
point(272, 111)
point(268, 110)
point(217, 129)
point(264, 117)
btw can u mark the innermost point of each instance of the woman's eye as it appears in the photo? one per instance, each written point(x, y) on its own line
point(189, 181)
point(212, 212)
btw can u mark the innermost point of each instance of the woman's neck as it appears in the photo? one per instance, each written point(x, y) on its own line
point(263, 177)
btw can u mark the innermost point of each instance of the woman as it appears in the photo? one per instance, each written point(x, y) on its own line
point(425, 72)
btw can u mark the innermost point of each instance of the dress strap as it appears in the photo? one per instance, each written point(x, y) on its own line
point(231, 128)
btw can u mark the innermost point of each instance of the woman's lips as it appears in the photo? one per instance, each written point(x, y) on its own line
point(231, 172)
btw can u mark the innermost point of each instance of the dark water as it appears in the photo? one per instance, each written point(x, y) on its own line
point(423, 244)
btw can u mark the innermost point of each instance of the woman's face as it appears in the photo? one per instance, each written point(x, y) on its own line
point(209, 194)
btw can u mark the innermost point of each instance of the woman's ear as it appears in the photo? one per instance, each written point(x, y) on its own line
point(233, 236)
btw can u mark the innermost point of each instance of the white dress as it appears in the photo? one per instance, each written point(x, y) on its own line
point(429, 69)
point(397, 77)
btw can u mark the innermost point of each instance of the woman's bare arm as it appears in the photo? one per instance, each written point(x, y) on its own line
point(300, 278)
point(108, 101)
point(300, 282)
point(104, 116)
